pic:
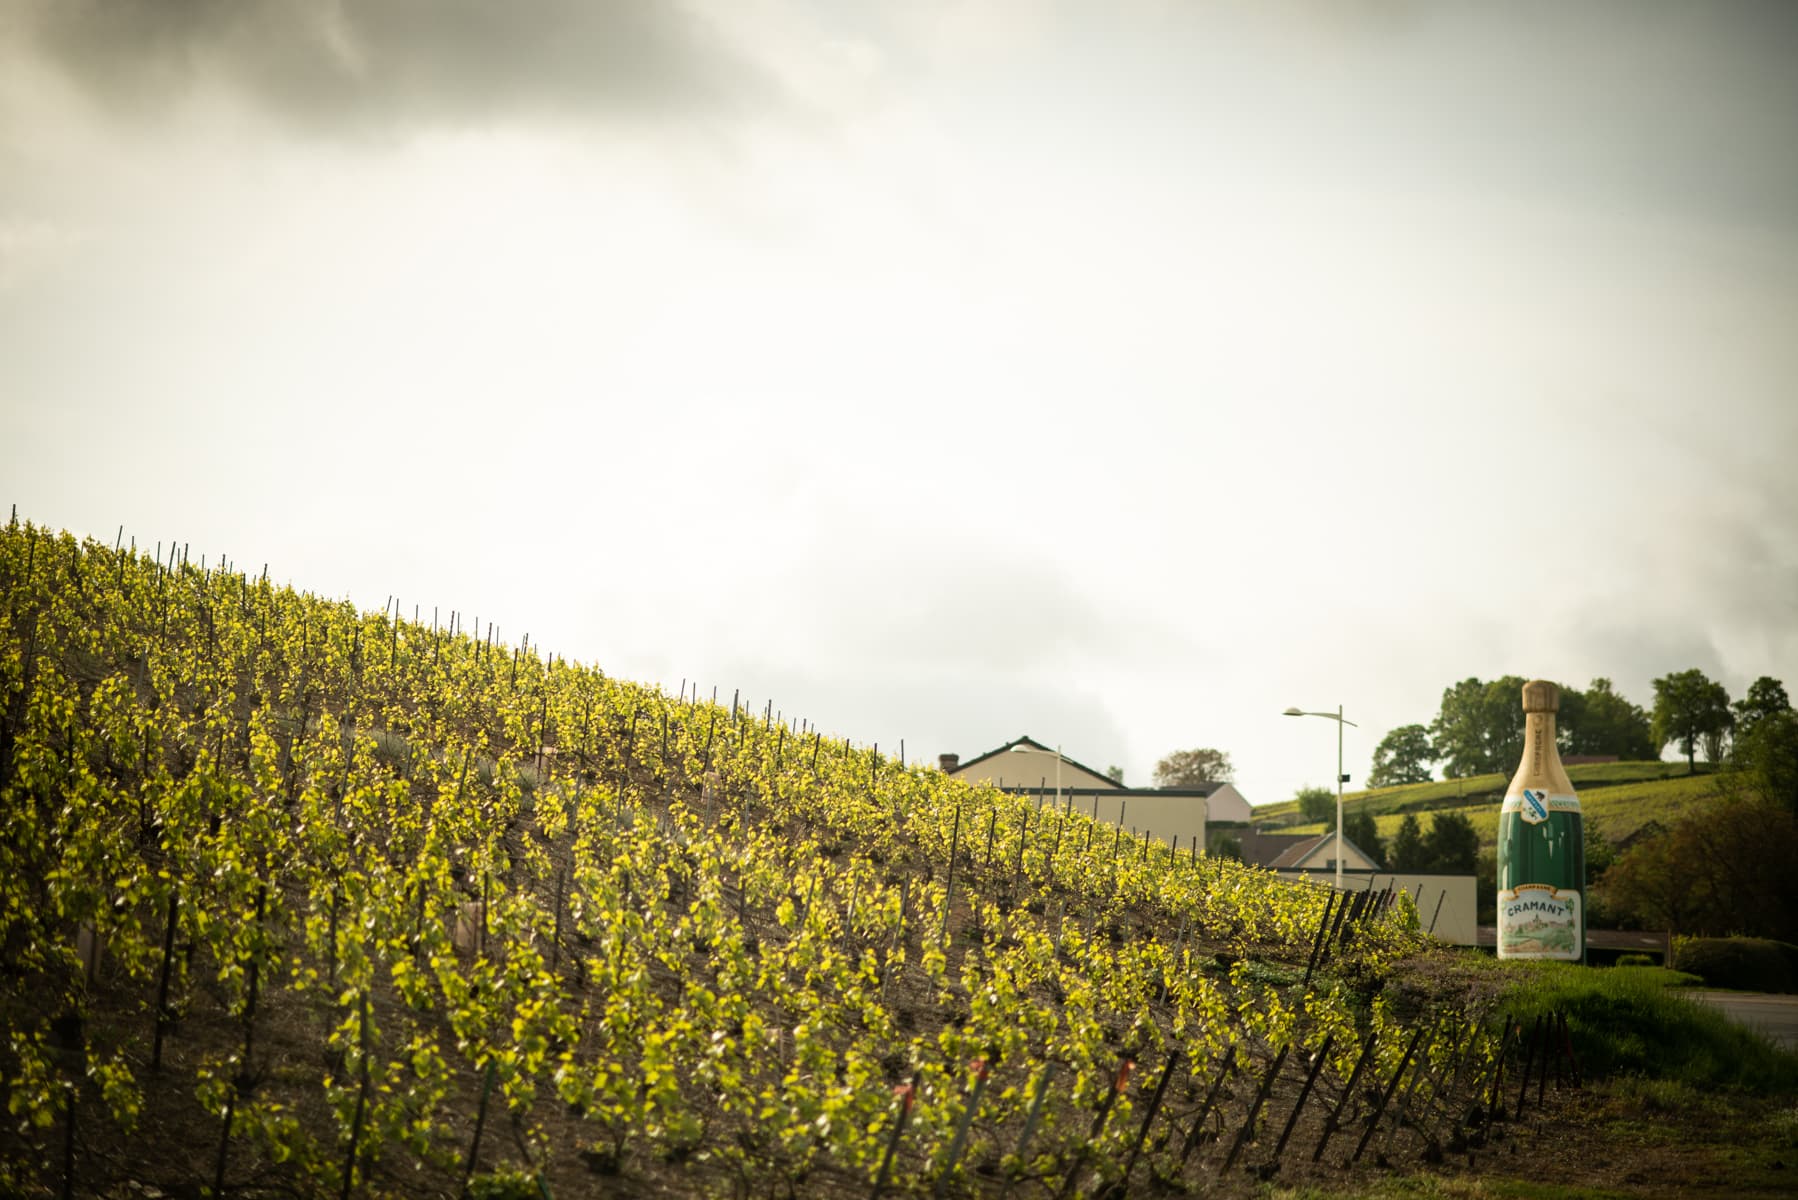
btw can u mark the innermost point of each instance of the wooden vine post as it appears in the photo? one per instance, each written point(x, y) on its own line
point(1148, 1117)
point(1196, 1134)
point(980, 1068)
point(949, 887)
point(1122, 1078)
point(480, 1123)
point(1247, 1132)
point(162, 983)
point(1031, 1119)
point(906, 1093)
point(1317, 1066)
point(1532, 1049)
point(1334, 1121)
point(349, 1161)
point(70, 1098)
point(1386, 1096)
point(1317, 943)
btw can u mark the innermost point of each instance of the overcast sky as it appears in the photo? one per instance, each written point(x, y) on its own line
point(1115, 373)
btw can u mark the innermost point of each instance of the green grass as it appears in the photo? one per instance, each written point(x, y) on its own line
point(1633, 1021)
point(1620, 797)
point(1677, 1100)
point(1622, 810)
point(1484, 818)
point(1412, 797)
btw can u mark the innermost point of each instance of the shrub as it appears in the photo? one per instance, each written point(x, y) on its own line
point(1635, 960)
point(1316, 804)
point(1748, 964)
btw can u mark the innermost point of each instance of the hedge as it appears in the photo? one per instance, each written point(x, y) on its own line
point(1746, 964)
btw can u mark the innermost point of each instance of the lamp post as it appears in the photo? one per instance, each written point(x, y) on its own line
point(1340, 722)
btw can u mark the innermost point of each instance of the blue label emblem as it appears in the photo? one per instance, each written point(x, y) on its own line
point(1537, 803)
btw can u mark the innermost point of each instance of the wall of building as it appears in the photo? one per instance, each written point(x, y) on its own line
point(1174, 820)
point(1323, 858)
point(1448, 900)
point(1227, 804)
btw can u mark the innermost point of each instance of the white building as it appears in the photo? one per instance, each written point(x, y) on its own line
point(1176, 816)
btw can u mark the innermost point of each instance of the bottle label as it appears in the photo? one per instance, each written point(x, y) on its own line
point(1536, 920)
point(1534, 804)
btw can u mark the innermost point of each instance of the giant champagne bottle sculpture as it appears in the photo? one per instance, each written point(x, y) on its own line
point(1541, 845)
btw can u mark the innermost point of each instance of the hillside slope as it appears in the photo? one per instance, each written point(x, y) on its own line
point(305, 900)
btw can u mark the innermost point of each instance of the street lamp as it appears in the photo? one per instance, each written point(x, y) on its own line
point(1340, 777)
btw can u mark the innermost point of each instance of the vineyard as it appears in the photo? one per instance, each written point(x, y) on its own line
point(304, 900)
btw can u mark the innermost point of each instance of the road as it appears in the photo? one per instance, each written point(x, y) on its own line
point(1775, 1016)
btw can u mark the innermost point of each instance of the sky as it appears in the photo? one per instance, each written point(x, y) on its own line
point(1115, 373)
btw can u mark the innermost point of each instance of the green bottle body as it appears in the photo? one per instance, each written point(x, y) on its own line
point(1541, 879)
point(1541, 846)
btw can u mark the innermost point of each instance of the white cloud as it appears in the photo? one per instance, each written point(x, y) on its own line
point(1116, 376)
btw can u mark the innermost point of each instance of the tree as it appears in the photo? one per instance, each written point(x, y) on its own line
point(1599, 721)
point(1453, 845)
point(1403, 756)
point(1724, 870)
point(1765, 697)
point(1600, 854)
point(1317, 804)
point(1768, 755)
point(1646, 887)
point(1715, 742)
point(1115, 774)
point(1192, 768)
point(1408, 853)
point(1479, 729)
point(1687, 708)
point(1223, 843)
point(1359, 828)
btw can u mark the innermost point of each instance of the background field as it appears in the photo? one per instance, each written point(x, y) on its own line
point(1619, 798)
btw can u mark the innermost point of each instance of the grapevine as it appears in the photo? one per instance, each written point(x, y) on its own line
point(376, 900)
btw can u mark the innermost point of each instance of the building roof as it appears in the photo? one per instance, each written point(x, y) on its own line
point(1027, 740)
point(1202, 789)
point(1069, 789)
point(1292, 856)
point(1261, 849)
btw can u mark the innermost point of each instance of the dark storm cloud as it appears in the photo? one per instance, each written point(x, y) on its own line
point(1631, 650)
point(379, 63)
point(1683, 106)
point(1695, 103)
point(1718, 592)
point(1745, 568)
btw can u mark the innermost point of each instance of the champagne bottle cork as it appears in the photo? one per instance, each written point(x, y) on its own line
point(1541, 696)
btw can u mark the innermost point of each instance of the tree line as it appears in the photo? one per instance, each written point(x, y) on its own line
point(1450, 846)
point(1725, 869)
point(1478, 729)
